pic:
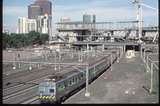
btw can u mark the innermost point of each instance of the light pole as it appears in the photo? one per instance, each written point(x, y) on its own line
point(87, 93)
point(111, 61)
point(14, 65)
point(151, 86)
point(55, 61)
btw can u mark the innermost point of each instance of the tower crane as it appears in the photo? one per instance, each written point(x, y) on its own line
point(139, 5)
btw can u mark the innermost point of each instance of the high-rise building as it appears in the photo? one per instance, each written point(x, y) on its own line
point(43, 23)
point(22, 25)
point(34, 11)
point(32, 25)
point(46, 6)
point(94, 18)
point(41, 8)
point(26, 25)
point(89, 18)
point(86, 18)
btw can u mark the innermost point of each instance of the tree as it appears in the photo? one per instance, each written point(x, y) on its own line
point(44, 38)
point(22, 40)
point(6, 40)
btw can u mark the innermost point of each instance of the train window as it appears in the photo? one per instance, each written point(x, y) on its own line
point(77, 79)
point(81, 75)
point(70, 82)
point(74, 80)
point(51, 90)
point(65, 84)
point(61, 86)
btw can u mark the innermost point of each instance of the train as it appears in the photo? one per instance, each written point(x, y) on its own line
point(57, 88)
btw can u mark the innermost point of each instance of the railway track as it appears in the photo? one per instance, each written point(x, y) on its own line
point(20, 93)
point(13, 88)
point(33, 100)
point(14, 93)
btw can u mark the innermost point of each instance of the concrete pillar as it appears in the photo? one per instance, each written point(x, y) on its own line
point(147, 68)
point(102, 47)
point(118, 55)
point(59, 60)
point(144, 55)
point(151, 83)
point(55, 68)
point(141, 51)
point(87, 94)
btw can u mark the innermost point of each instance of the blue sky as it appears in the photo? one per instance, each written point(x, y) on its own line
point(105, 10)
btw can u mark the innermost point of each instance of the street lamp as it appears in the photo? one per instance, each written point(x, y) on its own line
point(87, 93)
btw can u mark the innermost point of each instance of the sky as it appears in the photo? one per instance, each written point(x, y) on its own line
point(105, 10)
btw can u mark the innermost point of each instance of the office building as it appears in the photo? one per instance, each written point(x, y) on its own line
point(94, 18)
point(46, 6)
point(43, 24)
point(38, 11)
point(22, 25)
point(32, 25)
point(40, 7)
point(87, 18)
point(34, 11)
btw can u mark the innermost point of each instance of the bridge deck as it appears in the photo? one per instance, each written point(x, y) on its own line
point(124, 84)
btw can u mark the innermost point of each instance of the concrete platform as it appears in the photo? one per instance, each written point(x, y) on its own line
point(124, 84)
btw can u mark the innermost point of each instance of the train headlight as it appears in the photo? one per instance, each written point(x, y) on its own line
point(46, 97)
point(40, 97)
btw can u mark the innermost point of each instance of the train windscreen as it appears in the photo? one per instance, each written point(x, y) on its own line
point(47, 89)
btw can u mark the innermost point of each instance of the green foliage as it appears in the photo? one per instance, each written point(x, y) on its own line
point(22, 40)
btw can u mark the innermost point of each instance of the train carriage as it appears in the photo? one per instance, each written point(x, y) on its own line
point(57, 88)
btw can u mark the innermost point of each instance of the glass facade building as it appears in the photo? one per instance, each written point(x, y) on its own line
point(41, 8)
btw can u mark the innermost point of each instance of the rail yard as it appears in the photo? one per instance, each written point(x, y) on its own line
point(84, 62)
point(25, 81)
point(24, 74)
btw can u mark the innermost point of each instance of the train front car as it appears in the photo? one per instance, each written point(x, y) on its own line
point(47, 91)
